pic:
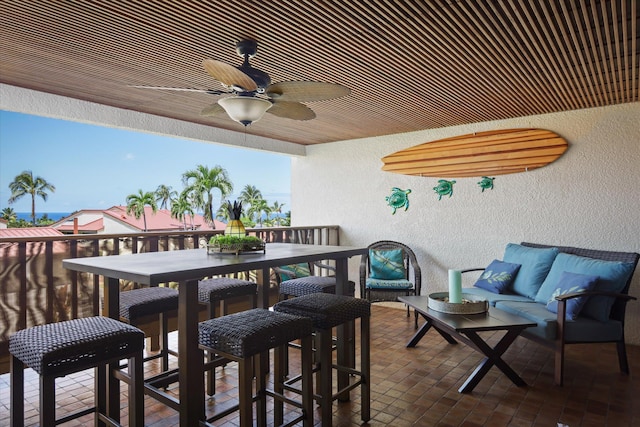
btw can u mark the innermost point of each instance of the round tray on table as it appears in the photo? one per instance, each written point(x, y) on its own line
point(471, 304)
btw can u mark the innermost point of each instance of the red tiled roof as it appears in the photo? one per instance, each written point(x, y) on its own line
point(159, 221)
point(29, 232)
point(93, 226)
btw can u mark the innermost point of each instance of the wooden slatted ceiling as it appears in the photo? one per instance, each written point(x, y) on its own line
point(411, 65)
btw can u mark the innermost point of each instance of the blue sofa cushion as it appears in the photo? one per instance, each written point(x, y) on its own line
point(535, 265)
point(547, 321)
point(612, 275)
point(583, 329)
point(387, 264)
point(571, 283)
point(492, 298)
point(498, 276)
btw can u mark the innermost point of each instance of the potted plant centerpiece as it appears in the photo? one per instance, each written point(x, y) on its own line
point(235, 239)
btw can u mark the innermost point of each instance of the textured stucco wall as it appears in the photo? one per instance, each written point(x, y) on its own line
point(590, 197)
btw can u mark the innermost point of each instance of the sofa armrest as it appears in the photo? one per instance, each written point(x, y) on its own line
point(469, 270)
point(562, 305)
point(625, 297)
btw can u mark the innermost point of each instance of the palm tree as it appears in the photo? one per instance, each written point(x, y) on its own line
point(260, 206)
point(137, 202)
point(249, 196)
point(165, 195)
point(9, 214)
point(201, 182)
point(287, 219)
point(180, 207)
point(276, 208)
point(223, 212)
point(24, 184)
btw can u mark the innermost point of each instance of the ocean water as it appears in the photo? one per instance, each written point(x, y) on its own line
point(56, 216)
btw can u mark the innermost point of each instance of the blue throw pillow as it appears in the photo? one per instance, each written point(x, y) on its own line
point(387, 264)
point(297, 271)
point(498, 276)
point(613, 276)
point(571, 283)
point(535, 265)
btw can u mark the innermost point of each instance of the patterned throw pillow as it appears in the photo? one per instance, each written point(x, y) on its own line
point(498, 276)
point(387, 264)
point(570, 283)
point(297, 270)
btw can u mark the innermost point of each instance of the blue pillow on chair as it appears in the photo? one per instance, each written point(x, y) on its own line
point(498, 276)
point(570, 283)
point(387, 264)
point(297, 271)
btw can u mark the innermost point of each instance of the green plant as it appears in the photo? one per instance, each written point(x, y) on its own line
point(221, 239)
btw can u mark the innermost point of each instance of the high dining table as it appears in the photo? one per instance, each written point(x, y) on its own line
point(186, 267)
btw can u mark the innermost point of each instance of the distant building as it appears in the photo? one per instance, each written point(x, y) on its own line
point(3, 223)
point(11, 233)
point(115, 220)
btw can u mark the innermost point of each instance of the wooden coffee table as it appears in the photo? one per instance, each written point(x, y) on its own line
point(465, 328)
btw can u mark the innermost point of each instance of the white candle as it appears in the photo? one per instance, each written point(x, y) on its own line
point(455, 286)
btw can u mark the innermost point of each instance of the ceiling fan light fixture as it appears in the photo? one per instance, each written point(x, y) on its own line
point(245, 109)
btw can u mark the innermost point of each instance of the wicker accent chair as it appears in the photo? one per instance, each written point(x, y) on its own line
point(407, 278)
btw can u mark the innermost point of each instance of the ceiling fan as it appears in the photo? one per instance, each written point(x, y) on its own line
point(253, 94)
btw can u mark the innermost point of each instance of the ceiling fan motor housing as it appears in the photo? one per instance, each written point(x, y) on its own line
point(248, 49)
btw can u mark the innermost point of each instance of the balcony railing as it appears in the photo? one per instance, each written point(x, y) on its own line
point(35, 289)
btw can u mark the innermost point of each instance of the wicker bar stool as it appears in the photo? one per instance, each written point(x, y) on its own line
point(221, 290)
point(248, 335)
point(58, 349)
point(297, 280)
point(328, 311)
point(155, 300)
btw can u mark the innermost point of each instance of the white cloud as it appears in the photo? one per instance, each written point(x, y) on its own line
point(129, 156)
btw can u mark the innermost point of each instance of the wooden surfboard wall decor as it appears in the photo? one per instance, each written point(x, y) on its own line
point(497, 152)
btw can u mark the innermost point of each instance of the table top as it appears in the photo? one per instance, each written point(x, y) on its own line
point(492, 320)
point(191, 264)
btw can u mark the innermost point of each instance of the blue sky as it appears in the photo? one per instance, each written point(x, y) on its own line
point(94, 167)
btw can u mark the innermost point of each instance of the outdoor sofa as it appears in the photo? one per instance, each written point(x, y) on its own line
point(574, 295)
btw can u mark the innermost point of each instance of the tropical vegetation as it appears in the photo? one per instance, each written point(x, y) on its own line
point(205, 190)
point(137, 202)
point(25, 184)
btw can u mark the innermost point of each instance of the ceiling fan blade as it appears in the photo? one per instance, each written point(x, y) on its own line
point(213, 110)
point(229, 75)
point(182, 89)
point(291, 110)
point(305, 91)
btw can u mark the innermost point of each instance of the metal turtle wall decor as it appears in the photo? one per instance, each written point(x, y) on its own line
point(444, 188)
point(486, 183)
point(398, 199)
